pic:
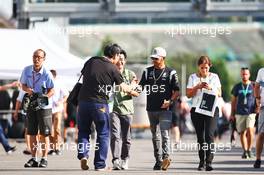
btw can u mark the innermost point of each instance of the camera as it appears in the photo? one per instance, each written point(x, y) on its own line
point(34, 102)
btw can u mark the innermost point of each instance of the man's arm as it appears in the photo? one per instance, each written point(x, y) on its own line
point(257, 96)
point(175, 92)
point(17, 107)
point(166, 103)
point(27, 89)
point(50, 92)
point(233, 107)
point(134, 84)
point(9, 85)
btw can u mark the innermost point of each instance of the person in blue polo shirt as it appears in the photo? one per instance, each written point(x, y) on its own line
point(38, 83)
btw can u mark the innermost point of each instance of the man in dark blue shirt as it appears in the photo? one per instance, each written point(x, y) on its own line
point(243, 111)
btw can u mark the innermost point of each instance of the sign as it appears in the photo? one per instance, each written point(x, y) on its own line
point(207, 103)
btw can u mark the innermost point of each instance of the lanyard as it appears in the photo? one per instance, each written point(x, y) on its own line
point(245, 91)
point(34, 81)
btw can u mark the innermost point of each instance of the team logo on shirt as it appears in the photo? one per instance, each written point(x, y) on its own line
point(164, 76)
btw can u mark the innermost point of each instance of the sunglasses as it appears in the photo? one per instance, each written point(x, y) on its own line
point(38, 57)
point(154, 58)
point(244, 68)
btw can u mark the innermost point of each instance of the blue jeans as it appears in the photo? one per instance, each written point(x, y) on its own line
point(160, 123)
point(98, 113)
point(3, 140)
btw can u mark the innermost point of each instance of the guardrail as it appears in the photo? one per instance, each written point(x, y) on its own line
point(235, 5)
point(117, 9)
point(113, 9)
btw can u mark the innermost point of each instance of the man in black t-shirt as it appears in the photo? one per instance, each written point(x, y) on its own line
point(161, 85)
point(99, 75)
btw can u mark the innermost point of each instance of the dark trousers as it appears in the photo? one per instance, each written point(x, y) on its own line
point(205, 127)
point(98, 113)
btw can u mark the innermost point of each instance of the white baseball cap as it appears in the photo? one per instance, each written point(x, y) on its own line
point(158, 52)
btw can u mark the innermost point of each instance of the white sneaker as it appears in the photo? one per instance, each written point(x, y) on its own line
point(124, 164)
point(84, 163)
point(116, 165)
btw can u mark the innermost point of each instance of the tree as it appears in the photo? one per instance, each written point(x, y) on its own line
point(176, 62)
point(255, 65)
point(219, 67)
point(107, 40)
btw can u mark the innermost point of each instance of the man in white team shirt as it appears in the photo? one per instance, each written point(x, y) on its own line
point(58, 106)
point(259, 94)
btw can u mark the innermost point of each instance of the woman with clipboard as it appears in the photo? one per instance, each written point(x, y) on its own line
point(204, 88)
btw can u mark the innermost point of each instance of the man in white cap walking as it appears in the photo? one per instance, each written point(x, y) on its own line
point(162, 88)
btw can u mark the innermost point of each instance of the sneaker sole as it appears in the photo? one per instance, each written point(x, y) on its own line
point(165, 164)
point(28, 166)
point(84, 165)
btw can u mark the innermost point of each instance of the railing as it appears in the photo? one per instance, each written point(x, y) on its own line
point(120, 9)
point(235, 5)
point(114, 8)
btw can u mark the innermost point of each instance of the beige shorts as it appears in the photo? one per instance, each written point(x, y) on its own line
point(245, 121)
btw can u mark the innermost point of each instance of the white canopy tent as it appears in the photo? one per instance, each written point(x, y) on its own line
point(17, 47)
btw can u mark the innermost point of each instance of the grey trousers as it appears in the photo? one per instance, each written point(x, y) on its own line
point(160, 123)
point(120, 129)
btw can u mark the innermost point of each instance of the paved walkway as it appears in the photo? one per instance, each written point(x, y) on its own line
point(184, 160)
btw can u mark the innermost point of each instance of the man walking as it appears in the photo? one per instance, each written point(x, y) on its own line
point(58, 107)
point(3, 140)
point(161, 84)
point(243, 111)
point(121, 118)
point(259, 94)
point(99, 75)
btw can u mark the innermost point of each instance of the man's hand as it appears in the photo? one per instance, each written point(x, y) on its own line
point(166, 104)
point(65, 115)
point(15, 116)
point(232, 118)
point(14, 84)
